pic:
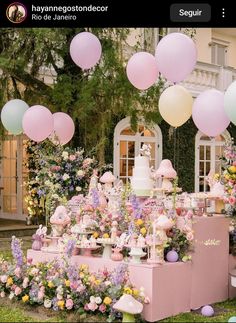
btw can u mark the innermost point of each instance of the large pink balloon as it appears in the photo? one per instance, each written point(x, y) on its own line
point(64, 128)
point(208, 113)
point(142, 70)
point(37, 123)
point(85, 50)
point(176, 56)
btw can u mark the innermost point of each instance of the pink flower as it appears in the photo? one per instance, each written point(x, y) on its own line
point(3, 279)
point(92, 306)
point(234, 163)
point(232, 200)
point(73, 285)
point(72, 157)
point(13, 287)
point(29, 260)
point(69, 304)
point(80, 288)
point(2, 294)
point(18, 291)
point(17, 272)
point(189, 236)
point(25, 282)
point(102, 308)
point(40, 294)
point(86, 308)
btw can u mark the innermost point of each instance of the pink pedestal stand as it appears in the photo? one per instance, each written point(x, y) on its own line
point(210, 260)
point(176, 287)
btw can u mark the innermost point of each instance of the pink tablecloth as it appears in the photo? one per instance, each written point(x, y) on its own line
point(176, 287)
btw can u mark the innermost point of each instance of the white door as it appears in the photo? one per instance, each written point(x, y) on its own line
point(11, 181)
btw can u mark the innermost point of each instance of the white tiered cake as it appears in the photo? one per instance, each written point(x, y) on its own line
point(141, 182)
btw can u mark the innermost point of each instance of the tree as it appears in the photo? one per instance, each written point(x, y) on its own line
point(96, 99)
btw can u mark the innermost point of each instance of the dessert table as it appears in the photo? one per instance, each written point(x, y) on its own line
point(176, 287)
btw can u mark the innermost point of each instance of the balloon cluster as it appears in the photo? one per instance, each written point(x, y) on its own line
point(37, 122)
point(175, 59)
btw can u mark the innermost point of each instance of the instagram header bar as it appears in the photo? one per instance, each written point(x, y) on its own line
point(114, 13)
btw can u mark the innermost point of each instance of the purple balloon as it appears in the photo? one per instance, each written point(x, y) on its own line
point(37, 123)
point(64, 128)
point(142, 70)
point(85, 50)
point(208, 113)
point(176, 56)
point(207, 310)
point(172, 256)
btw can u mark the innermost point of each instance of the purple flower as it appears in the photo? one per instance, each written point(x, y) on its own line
point(17, 252)
point(119, 275)
point(70, 247)
point(95, 198)
point(72, 273)
point(136, 207)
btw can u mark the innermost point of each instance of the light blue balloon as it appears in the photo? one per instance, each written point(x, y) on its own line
point(12, 114)
point(232, 319)
point(230, 102)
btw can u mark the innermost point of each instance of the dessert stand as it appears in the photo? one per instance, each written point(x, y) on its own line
point(107, 247)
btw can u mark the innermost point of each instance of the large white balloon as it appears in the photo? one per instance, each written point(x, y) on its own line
point(230, 102)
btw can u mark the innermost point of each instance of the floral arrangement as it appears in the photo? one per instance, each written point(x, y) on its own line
point(60, 285)
point(229, 176)
point(55, 175)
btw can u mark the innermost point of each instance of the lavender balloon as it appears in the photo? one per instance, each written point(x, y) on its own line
point(85, 50)
point(176, 56)
point(172, 256)
point(207, 310)
point(208, 113)
point(142, 70)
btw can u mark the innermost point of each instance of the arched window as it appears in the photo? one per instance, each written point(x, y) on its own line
point(127, 144)
point(208, 152)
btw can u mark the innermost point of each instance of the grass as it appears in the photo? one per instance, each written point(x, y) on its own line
point(13, 311)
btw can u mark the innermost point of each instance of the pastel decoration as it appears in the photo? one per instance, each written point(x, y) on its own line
point(63, 128)
point(142, 70)
point(176, 56)
point(12, 114)
point(175, 105)
point(172, 256)
point(85, 50)
point(37, 123)
point(208, 113)
point(207, 310)
point(230, 102)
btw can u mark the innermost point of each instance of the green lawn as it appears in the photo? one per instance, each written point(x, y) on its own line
point(13, 311)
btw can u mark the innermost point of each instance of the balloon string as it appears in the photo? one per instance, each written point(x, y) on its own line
point(174, 146)
point(177, 150)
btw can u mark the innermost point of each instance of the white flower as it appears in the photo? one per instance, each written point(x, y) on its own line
point(47, 303)
point(65, 177)
point(55, 196)
point(47, 183)
point(60, 289)
point(65, 155)
point(59, 296)
point(57, 185)
point(98, 300)
point(80, 172)
point(92, 299)
point(2, 294)
point(11, 296)
point(78, 188)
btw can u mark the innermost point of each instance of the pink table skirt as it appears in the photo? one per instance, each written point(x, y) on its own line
point(176, 287)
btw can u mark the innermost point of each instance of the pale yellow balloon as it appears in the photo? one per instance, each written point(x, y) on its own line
point(175, 105)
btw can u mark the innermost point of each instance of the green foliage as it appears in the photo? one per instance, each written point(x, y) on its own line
point(94, 98)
